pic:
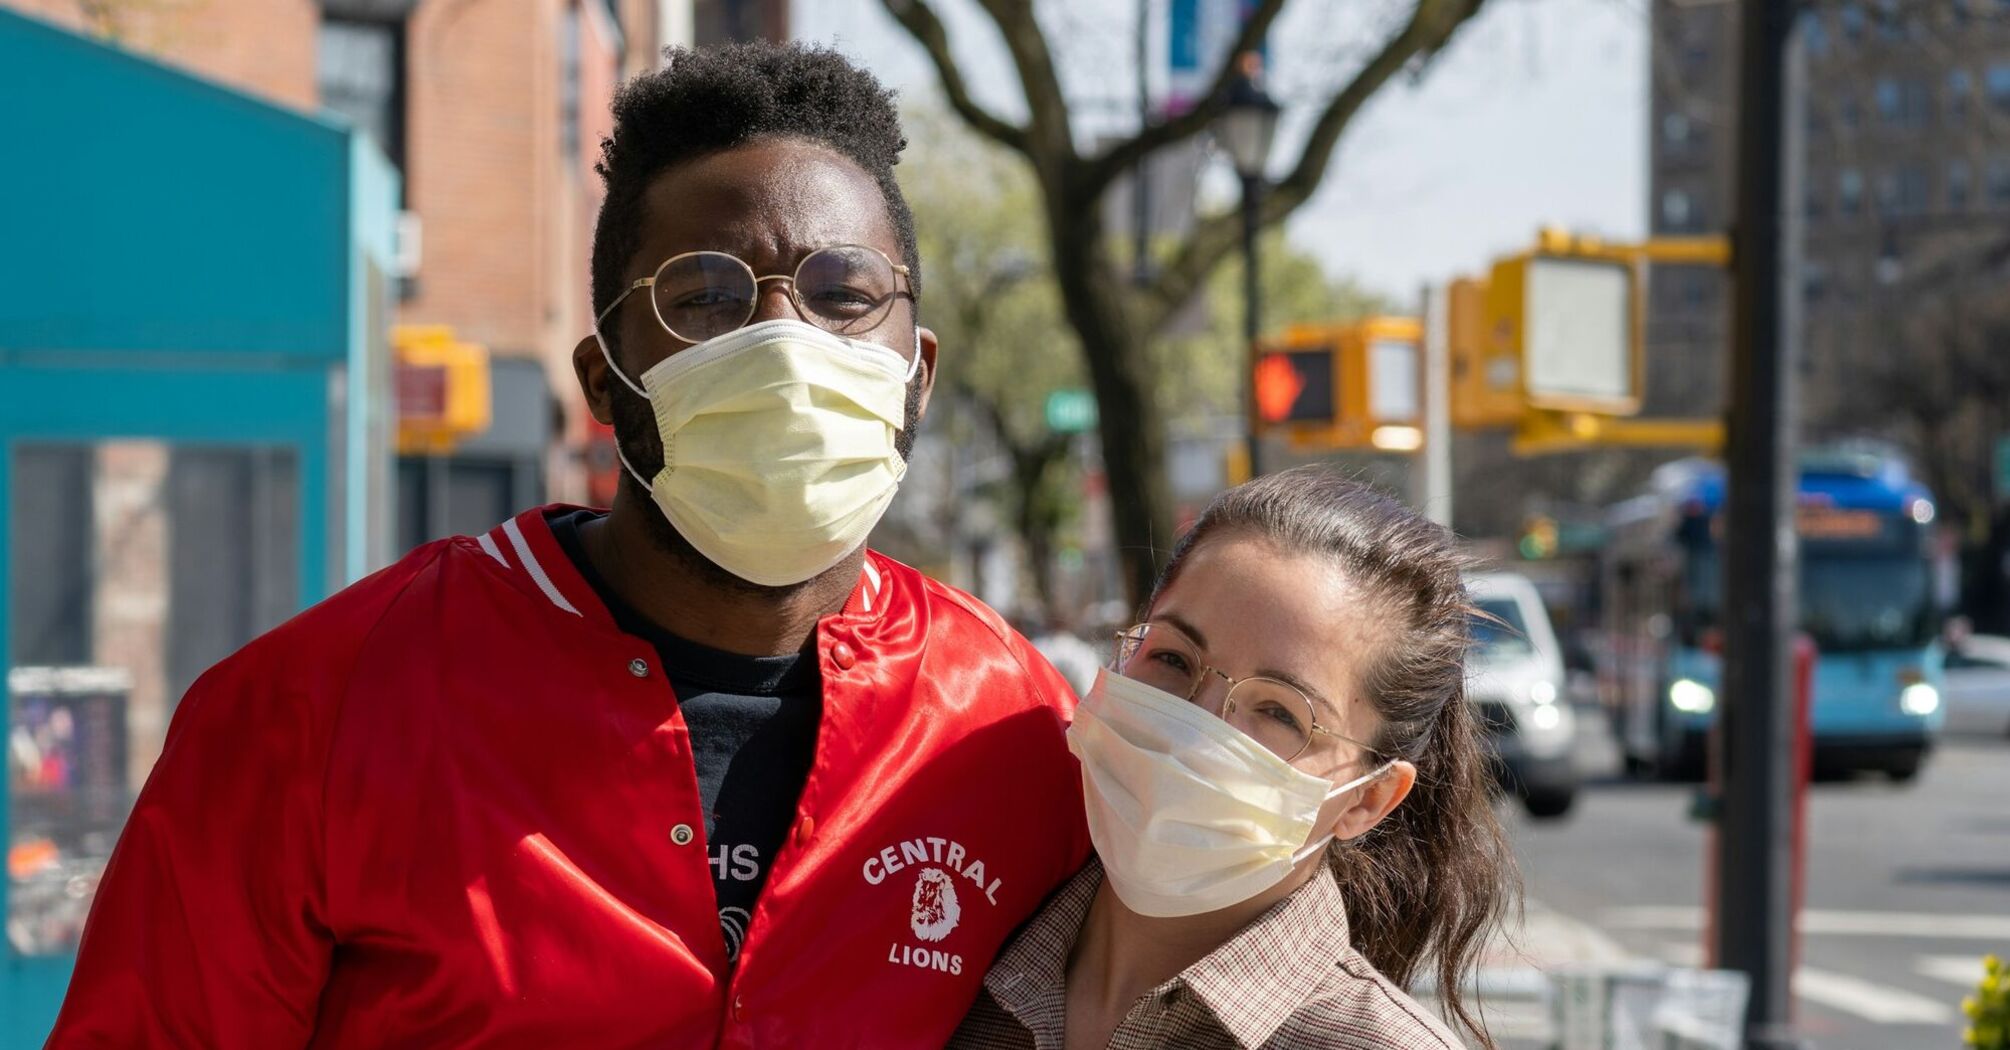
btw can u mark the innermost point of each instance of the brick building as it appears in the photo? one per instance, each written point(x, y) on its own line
point(492, 110)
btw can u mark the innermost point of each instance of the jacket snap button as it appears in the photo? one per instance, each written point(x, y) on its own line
point(681, 834)
point(842, 655)
point(805, 829)
point(739, 1009)
point(638, 667)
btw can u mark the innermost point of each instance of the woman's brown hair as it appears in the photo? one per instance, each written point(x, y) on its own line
point(1433, 878)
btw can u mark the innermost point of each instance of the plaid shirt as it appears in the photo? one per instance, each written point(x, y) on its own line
point(1289, 980)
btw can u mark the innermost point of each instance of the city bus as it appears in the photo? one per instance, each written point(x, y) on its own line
point(1867, 600)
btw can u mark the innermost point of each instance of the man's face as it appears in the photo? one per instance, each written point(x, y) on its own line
point(770, 203)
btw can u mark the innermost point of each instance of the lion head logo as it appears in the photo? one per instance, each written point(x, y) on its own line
point(936, 911)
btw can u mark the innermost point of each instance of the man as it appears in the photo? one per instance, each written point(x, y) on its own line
point(699, 771)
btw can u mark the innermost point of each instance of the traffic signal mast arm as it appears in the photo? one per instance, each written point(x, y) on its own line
point(1542, 433)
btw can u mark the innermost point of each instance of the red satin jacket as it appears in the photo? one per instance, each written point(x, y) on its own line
point(454, 806)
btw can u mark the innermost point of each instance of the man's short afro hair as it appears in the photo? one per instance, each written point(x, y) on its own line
point(702, 102)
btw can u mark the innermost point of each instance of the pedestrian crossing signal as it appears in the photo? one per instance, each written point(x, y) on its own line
point(1294, 387)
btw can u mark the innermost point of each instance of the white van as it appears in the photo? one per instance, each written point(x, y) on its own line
point(1515, 682)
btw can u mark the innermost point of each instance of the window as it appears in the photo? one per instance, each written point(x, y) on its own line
point(1891, 22)
point(1678, 211)
point(1675, 129)
point(1903, 103)
point(1958, 185)
point(1913, 189)
point(1849, 192)
point(1997, 82)
point(1999, 182)
point(360, 71)
point(1888, 102)
point(1814, 34)
point(1960, 87)
point(1814, 282)
point(1852, 20)
point(1849, 112)
point(568, 84)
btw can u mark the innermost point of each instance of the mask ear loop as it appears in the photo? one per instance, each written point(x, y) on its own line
point(609, 354)
point(914, 365)
point(1324, 840)
point(601, 341)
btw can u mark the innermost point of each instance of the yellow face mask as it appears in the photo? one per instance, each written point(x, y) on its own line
point(779, 451)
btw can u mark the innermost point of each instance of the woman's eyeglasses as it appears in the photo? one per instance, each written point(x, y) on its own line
point(1276, 714)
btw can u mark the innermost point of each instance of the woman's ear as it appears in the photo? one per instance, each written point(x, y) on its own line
point(1375, 800)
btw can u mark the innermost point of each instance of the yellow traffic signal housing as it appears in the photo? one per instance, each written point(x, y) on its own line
point(1357, 385)
point(442, 388)
point(1571, 315)
point(1486, 371)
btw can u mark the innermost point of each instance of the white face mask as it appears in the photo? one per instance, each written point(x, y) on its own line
point(778, 445)
point(1188, 814)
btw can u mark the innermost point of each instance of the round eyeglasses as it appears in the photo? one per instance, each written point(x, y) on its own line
point(845, 289)
point(1276, 714)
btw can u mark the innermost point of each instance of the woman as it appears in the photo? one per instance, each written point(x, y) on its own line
point(1286, 792)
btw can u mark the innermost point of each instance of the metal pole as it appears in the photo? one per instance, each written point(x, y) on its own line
point(1434, 491)
point(1141, 200)
point(1252, 186)
point(1754, 874)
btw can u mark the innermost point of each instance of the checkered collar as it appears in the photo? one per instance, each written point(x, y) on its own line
point(1252, 983)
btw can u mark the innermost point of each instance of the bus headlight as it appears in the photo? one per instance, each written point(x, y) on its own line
point(1687, 694)
point(1542, 692)
point(1919, 699)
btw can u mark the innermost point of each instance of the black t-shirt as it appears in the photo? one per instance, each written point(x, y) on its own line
point(753, 723)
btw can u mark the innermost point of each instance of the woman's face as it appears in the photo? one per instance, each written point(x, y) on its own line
point(1249, 609)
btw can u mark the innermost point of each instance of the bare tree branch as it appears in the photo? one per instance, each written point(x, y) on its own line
point(1430, 26)
point(1105, 168)
point(1049, 126)
point(921, 23)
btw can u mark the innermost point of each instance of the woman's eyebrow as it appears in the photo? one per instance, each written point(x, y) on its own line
point(1181, 624)
point(1302, 686)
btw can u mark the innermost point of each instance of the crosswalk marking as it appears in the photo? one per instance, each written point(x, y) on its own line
point(1963, 970)
point(1873, 1002)
point(1819, 921)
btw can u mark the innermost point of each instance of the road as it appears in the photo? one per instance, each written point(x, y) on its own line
point(1908, 887)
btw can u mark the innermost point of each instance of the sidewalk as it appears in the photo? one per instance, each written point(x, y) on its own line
point(1511, 987)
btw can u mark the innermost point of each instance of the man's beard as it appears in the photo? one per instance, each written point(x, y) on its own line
point(636, 434)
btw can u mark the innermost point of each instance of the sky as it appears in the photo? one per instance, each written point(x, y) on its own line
point(1535, 115)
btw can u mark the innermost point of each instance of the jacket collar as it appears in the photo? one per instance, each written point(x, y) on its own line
point(525, 551)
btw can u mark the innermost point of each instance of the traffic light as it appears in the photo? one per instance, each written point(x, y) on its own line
point(1538, 538)
point(1486, 370)
point(1294, 387)
point(1354, 385)
point(1568, 318)
point(442, 388)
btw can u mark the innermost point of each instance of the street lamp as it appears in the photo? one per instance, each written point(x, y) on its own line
point(1246, 128)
